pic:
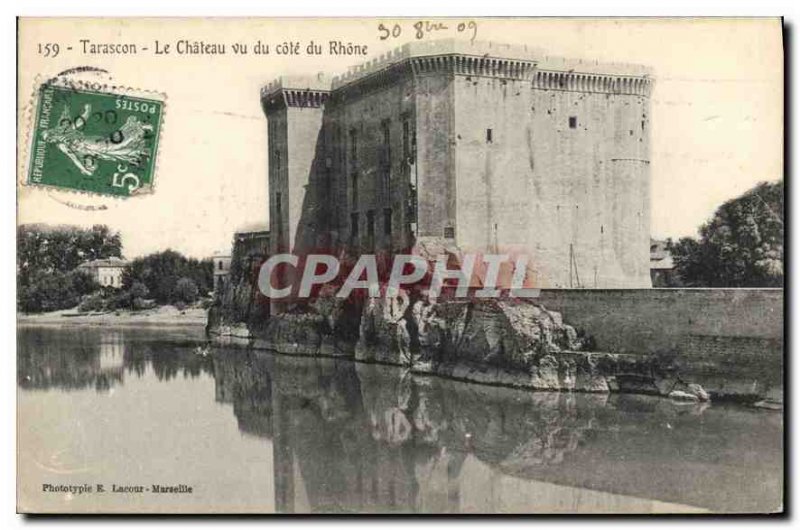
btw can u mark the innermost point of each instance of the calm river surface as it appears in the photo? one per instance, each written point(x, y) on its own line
point(256, 432)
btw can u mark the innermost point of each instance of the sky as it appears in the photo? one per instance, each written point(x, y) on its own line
point(717, 111)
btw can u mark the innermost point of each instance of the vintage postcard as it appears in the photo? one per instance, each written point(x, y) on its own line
point(400, 266)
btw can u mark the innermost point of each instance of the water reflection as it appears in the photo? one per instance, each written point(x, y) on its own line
point(348, 437)
point(73, 359)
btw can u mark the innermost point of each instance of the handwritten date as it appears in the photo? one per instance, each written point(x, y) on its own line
point(424, 28)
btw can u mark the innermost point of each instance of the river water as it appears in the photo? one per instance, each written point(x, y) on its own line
point(247, 431)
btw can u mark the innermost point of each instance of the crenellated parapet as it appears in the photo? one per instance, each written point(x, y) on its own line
point(451, 57)
point(386, 76)
point(473, 66)
point(463, 58)
point(590, 82)
point(508, 69)
point(305, 98)
point(384, 62)
point(287, 98)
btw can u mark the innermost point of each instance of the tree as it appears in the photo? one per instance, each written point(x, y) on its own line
point(741, 246)
point(51, 291)
point(133, 297)
point(160, 273)
point(139, 290)
point(186, 291)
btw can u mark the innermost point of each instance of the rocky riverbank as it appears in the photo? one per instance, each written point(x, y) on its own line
point(516, 343)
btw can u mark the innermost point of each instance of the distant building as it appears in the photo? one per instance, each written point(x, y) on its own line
point(251, 246)
point(662, 267)
point(222, 268)
point(107, 272)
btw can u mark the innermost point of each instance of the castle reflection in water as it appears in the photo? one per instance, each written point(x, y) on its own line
point(352, 437)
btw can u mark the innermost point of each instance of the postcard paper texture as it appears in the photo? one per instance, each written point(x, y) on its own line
point(456, 265)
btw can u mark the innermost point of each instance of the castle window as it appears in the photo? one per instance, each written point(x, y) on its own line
point(353, 146)
point(354, 225)
point(387, 221)
point(406, 139)
point(279, 217)
point(277, 159)
point(411, 204)
point(219, 265)
point(370, 224)
point(449, 232)
point(386, 133)
point(573, 122)
point(386, 154)
point(488, 136)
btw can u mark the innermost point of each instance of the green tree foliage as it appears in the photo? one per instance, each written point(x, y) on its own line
point(186, 290)
point(51, 291)
point(131, 298)
point(139, 290)
point(93, 302)
point(741, 246)
point(161, 272)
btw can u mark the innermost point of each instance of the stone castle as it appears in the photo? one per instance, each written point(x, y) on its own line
point(478, 147)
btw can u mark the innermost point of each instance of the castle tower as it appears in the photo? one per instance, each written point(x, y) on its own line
point(294, 108)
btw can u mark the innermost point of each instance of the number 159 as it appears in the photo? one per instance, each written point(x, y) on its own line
point(49, 49)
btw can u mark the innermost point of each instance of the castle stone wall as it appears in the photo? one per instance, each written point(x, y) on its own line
point(304, 127)
point(738, 326)
point(549, 169)
point(435, 172)
point(382, 174)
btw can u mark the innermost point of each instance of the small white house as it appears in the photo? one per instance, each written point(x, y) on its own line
point(107, 272)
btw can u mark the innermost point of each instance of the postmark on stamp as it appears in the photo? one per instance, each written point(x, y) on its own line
point(101, 141)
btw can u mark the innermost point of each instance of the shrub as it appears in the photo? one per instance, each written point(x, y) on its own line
point(140, 304)
point(139, 290)
point(92, 302)
point(186, 290)
point(119, 300)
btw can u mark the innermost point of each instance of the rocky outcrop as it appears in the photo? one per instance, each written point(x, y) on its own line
point(516, 343)
point(238, 309)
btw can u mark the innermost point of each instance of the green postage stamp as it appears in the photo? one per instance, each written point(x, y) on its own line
point(94, 141)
